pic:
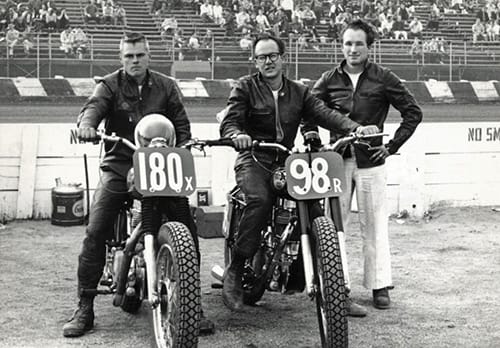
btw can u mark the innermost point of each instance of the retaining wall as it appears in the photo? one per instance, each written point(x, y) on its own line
point(432, 91)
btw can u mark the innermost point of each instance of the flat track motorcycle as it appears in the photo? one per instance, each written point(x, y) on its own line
point(159, 266)
point(300, 248)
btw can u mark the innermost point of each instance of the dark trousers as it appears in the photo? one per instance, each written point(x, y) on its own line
point(254, 182)
point(109, 197)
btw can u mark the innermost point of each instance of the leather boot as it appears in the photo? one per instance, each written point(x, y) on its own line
point(232, 291)
point(355, 310)
point(82, 319)
point(207, 327)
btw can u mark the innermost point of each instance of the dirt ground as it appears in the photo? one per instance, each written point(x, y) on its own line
point(445, 268)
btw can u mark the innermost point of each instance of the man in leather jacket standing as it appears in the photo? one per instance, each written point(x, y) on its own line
point(121, 99)
point(267, 106)
point(366, 90)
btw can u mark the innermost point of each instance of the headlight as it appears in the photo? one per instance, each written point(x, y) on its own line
point(279, 179)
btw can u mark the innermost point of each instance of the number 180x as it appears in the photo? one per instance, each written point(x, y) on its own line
point(159, 178)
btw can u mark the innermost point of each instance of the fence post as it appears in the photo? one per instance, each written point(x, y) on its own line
point(465, 53)
point(296, 59)
point(50, 55)
point(451, 61)
point(91, 65)
point(38, 56)
point(213, 58)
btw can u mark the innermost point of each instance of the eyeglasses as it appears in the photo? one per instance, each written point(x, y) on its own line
point(261, 59)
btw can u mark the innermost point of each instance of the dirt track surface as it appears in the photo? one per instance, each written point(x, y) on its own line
point(205, 112)
point(445, 273)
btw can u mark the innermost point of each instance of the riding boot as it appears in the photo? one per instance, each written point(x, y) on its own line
point(232, 291)
point(207, 327)
point(82, 319)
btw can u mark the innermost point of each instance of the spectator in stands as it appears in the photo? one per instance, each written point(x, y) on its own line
point(120, 15)
point(385, 29)
point(169, 26)
point(402, 11)
point(496, 30)
point(63, 21)
point(51, 20)
point(262, 23)
point(218, 13)
point(108, 14)
point(478, 31)
point(66, 39)
point(206, 12)
point(28, 40)
point(416, 28)
point(307, 16)
point(194, 41)
point(287, 6)
point(163, 11)
point(12, 39)
point(336, 8)
point(281, 26)
point(398, 28)
point(296, 27)
point(19, 21)
point(34, 5)
point(482, 15)
point(206, 40)
point(433, 20)
point(155, 6)
point(246, 41)
point(243, 20)
point(91, 13)
point(229, 25)
point(4, 17)
point(416, 49)
point(79, 42)
point(332, 32)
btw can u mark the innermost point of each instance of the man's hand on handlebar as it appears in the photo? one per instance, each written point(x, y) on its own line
point(367, 130)
point(242, 141)
point(87, 134)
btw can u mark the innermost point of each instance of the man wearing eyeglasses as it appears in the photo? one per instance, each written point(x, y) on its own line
point(267, 106)
point(122, 99)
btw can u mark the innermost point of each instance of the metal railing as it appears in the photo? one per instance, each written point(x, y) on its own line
point(47, 59)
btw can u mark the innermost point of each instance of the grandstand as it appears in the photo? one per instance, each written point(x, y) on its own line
point(102, 50)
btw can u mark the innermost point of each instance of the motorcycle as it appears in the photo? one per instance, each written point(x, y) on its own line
point(302, 246)
point(159, 266)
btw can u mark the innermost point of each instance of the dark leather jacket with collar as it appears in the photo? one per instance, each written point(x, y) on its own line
point(378, 88)
point(117, 100)
point(252, 110)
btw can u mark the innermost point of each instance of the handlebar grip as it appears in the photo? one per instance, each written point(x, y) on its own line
point(220, 142)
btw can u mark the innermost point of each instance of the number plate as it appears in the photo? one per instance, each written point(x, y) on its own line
point(164, 171)
point(315, 176)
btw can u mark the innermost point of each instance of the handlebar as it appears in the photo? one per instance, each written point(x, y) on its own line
point(116, 139)
point(351, 138)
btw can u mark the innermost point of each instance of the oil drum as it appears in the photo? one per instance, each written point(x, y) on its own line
point(67, 206)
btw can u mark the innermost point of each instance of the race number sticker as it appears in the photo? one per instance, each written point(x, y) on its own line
point(315, 175)
point(164, 171)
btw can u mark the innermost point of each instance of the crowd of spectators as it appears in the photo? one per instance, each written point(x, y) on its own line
point(107, 12)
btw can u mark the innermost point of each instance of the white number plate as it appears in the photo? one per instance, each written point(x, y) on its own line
point(165, 171)
point(315, 175)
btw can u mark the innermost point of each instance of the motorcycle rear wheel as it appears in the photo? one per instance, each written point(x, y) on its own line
point(330, 294)
point(176, 319)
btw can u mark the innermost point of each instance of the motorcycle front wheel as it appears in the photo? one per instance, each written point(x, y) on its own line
point(176, 318)
point(330, 294)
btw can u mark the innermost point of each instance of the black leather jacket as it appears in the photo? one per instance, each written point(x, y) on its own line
point(252, 110)
point(116, 99)
point(378, 88)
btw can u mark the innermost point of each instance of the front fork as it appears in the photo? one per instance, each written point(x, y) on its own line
point(305, 242)
point(334, 211)
point(150, 259)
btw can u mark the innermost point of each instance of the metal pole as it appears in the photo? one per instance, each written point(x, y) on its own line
point(465, 53)
point(50, 55)
point(38, 56)
point(296, 59)
point(451, 61)
point(213, 58)
point(91, 66)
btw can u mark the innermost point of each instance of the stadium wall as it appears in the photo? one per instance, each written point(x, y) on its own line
point(442, 163)
point(432, 91)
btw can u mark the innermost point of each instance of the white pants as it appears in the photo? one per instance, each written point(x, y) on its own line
point(370, 185)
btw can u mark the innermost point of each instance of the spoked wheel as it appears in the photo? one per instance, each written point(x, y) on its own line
point(330, 294)
point(176, 318)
